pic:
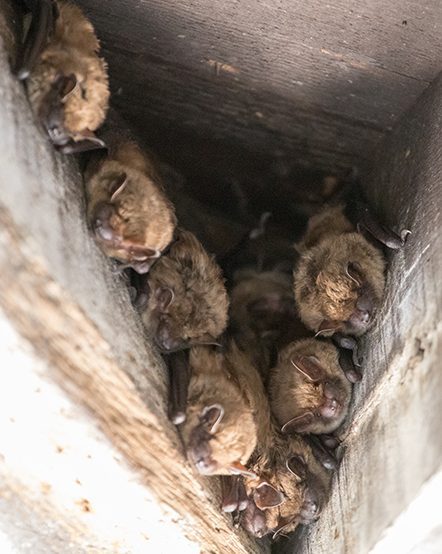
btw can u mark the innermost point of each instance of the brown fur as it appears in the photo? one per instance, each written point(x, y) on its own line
point(329, 221)
point(262, 314)
point(293, 393)
point(198, 310)
point(143, 217)
point(228, 379)
point(269, 463)
point(323, 289)
point(73, 49)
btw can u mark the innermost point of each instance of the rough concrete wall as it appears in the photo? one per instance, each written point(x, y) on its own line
point(393, 442)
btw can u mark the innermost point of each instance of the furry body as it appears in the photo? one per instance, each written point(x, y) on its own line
point(339, 280)
point(318, 402)
point(71, 51)
point(196, 310)
point(133, 223)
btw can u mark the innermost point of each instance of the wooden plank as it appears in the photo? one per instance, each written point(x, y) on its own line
point(319, 81)
point(61, 294)
point(392, 441)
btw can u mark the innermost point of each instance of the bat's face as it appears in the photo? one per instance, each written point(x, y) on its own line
point(188, 303)
point(219, 440)
point(284, 495)
point(310, 394)
point(179, 321)
point(131, 219)
point(339, 286)
point(68, 81)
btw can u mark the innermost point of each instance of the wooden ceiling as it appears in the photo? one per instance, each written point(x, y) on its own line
point(314, 83)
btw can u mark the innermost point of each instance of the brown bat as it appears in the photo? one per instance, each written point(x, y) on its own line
point(290, 486)
point(226, 411)
point(187, 300)
point(67, 80)
point(308, 388)
point(128, 212)
point(263, 314)
point(339, 280)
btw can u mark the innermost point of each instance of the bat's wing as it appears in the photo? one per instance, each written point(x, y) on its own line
point(366, 221)
point(179, 377)
point(44, 14)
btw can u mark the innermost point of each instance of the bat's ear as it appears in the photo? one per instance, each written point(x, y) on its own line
point(164, 297)
point(68, 83)
point(118, 185)
point(212, 416)
point(309, 367)
point(328, 327)
point(297, 467)
point(353, 270)
point(284, 524)
point(298, 424)
point(266, 496)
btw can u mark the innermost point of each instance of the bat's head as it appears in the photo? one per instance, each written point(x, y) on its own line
point(131, 219)
point(263, 304)
point(219, 441)
point(310, 393)
point(339, 285)
point(188, 304)
point(286, 493)
point(71, 107)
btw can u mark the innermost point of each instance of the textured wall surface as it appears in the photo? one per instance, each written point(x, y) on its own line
point(393, 441)
point(318, 82)
point(61, 294)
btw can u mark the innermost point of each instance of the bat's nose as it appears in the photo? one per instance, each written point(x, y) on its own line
point(167, 341)
point(359, 321)
point(331, 407)
point(101, 222)
point(255, 521)
point(311, 507)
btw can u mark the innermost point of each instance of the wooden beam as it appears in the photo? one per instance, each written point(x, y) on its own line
point(61, 294)
point(392, 440)
point(318, 82)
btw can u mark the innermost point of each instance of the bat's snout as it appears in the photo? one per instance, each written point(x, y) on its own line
point(359, 321)
point(332, 406)
point(167, 341)
point(254, 521)
point(101, 223)
point(311, 507)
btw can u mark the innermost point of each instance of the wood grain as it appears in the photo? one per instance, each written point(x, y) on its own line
point(62, 295)
point(318, 82)
point(392, 440)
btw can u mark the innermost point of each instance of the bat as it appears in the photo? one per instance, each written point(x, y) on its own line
point(187, 302)
point(339, 280)
point(128, 212)
point(263, 315)
point(227, 410)
point(66, 79)
point(308, 388)
point(289, 486)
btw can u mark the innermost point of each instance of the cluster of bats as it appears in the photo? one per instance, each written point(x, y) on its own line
point(260, 369)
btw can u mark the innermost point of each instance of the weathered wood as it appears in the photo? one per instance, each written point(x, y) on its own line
point(393, 441)
point(317, 82)
point(61, 294)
